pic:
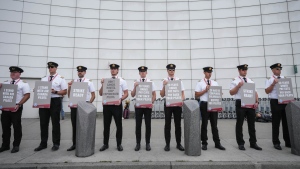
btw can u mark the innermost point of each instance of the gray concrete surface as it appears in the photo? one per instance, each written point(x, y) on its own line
point(156, 158)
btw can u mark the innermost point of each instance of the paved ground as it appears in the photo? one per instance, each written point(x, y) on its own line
point(31, 139)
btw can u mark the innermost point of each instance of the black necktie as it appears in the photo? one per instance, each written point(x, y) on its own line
point(51, 78)
point(208, 82)
point(278, 77)
point(245, 79)
point(13, 82)
point(171, 78)
point(80, 80)
point(143, 80)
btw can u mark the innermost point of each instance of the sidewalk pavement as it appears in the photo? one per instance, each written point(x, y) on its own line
point(157, 157)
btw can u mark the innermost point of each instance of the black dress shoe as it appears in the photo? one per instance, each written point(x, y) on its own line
point(148, 147)
point(204, 147)
point(137, 147)
point(55, 147)
point(255, 146)
point(71, 148)
point(104, 147)
point(180, 147)
point(219, 146)
point(15, 149)
point(241, 147)
point(167, 148)
point(3, 149)
point(277, 146)
point(39, 148)
point(120, 148)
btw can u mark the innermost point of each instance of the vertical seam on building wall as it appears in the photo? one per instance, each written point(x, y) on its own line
point(237, 35)
point(263, 38)
point(122, 48)
point(213, 37)
point(20, 34)
point(74, 39)
point(190, 47)
point(288, 12)
point(145, 33)
point(48, 35)
point(167, 31)
point(98, 87)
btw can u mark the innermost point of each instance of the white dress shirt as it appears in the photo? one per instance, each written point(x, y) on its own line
point(58, 84)
point(169, 79)
point(23, 88)
point(202, 86)
point(235, 82)
point(273, 94)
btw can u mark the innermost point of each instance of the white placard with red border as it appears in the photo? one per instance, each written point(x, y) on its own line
point(42, 94)
point(173, 94)
point(8, 96)
point(143, 95)
point(285, 91)
point(248, 95)
point(214, 102)
point(78, 93)
point(111, 91)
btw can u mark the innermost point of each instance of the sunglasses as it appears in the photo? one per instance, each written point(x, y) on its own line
point(50, 67)
point(278, 68)
point(171, 70)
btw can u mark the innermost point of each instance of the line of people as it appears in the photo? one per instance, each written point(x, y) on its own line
point(60, 88)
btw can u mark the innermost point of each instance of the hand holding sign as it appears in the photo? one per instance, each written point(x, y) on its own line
point(240, 84)
point(136, 84)
point(165, 82)
point(207, 87)
point(70, 83)
point(275, 82)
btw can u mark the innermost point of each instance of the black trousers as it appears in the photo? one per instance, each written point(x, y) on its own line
point(241, 113)
point(176, 111)
point(278, 113)
point(54, 114)
point(9, 118)
point(213, 116)
point(139, 112)
point(110, 111)
point(73, 121)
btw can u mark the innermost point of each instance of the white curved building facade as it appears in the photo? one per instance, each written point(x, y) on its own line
point(189, 33)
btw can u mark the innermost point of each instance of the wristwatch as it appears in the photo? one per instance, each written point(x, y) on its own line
point(55, 92)
point(20, 105)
